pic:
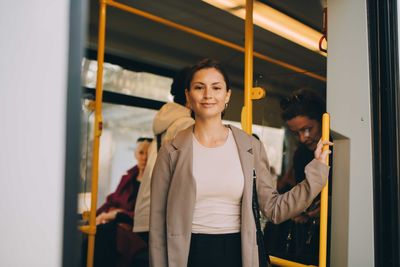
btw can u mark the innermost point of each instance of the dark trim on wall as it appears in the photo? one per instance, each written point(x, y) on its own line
point(138, 66)
point(384, 71)
point(122, 99)
point(77, 29)
point(130, 64)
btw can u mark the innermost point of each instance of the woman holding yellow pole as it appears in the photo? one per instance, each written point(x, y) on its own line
point(202, 184)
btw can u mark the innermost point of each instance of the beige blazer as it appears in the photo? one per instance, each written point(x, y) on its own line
point(173, 194)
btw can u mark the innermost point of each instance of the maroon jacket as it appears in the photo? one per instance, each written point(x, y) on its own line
point(125, 196)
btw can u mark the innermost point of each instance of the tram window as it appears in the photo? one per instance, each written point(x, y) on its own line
point(122, 126)
point(119, 80)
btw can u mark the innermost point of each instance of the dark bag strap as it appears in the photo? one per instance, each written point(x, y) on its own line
point(262, 255)
point(158, 138)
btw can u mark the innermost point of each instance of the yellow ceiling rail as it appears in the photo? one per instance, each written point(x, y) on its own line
point(212, 38)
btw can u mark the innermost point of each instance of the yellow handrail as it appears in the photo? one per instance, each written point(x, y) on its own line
point(323, 230)
point(287, 263)
point(212, 38)
point(248, 68)
point(98, 124)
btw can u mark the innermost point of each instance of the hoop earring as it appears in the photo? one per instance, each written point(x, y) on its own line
point(223, 112)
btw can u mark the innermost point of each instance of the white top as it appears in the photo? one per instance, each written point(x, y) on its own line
point(219, 188)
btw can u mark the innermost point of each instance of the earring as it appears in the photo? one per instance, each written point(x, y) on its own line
point(226, 105)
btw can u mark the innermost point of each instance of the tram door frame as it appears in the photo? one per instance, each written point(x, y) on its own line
point(385, 107)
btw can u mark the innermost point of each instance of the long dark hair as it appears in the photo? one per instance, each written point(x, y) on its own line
point(178, 86)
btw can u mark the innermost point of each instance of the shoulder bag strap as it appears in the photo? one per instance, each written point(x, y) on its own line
point(262, 255)
point(158, 138)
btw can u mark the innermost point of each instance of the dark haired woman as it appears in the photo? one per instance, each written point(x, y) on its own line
point(298, 239)
point(201, 210)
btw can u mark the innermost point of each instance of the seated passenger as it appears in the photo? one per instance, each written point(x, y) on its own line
point(124, 198)
point(117, 209)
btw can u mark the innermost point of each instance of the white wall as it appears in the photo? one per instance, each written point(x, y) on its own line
point(33, 72)
point(348, 101)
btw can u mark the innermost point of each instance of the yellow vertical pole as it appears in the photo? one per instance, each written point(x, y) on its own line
point(98, 124)
point(247, 118)
point(324, 199)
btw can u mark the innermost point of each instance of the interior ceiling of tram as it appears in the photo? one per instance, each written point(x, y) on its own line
point(138, 39)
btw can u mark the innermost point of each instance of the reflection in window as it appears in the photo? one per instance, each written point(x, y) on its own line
point(122, 126)
point(119, 80)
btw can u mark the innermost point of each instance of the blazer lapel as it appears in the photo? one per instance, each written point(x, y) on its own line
point(243, 142)
point(245, 154)
point(183, 140)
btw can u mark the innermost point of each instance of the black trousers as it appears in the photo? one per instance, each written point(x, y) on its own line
point(222, 250)
point(142, 257)
point(105, 253)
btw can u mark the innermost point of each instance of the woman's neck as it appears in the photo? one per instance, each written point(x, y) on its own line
point(210, 133)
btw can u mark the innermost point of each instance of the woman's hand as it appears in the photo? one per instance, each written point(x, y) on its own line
point(106, 217)
point(101, 218)
point(319, 154)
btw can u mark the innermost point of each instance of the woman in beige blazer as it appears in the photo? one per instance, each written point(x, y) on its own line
point(190, 227)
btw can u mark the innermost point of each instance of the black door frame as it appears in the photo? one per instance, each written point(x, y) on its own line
point(77, 32)
point(384, 71)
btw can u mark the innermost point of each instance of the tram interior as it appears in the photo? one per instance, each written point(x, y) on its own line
point(49, 75)
point(142, 56)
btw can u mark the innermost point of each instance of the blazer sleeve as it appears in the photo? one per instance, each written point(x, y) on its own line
point(281, 207)
point(160, 182)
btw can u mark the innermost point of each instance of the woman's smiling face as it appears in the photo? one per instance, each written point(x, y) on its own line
point(208, 93)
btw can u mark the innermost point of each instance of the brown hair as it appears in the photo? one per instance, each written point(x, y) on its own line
point(207, 63)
